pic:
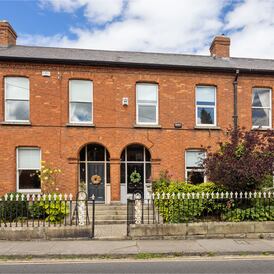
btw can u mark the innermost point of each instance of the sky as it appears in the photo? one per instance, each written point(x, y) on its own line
point(170, 26)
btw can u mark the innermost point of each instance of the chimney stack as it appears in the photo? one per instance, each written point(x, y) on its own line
point(220, 47)
point(7, 34)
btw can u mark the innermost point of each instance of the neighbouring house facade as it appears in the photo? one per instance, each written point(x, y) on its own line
point(123, 116)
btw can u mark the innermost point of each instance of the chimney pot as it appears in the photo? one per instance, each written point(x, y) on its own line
point(7, 34)
point(220, 47)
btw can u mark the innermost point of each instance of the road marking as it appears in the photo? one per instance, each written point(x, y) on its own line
point(130, 260)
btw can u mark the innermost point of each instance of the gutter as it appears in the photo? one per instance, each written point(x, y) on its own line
point(235, 100)
point(134, 65)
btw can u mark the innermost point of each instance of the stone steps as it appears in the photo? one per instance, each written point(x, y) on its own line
point(116, 214)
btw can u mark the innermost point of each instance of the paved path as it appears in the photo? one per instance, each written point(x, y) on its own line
point(131, 247)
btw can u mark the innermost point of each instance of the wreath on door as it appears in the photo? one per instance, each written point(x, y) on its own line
point(96, 179)
point(135, 177)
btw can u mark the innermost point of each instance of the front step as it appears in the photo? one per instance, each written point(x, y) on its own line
point(111, 214)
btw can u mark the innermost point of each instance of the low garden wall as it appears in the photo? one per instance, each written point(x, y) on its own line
point(45, 233)
point(203, 230)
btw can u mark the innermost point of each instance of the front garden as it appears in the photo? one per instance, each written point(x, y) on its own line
point(242, 171)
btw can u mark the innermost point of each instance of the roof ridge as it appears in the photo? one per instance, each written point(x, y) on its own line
point(117, 51)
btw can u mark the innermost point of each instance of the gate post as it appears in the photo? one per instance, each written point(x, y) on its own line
point(93, 217)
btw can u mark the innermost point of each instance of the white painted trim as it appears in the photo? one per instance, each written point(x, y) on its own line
point(147, 104)
point(38, 190)
point(270, 109)
point(199, 169)
point(24, 100)
point(91, 102)
point(86, 162)
point(206, 106)
point(126, 162)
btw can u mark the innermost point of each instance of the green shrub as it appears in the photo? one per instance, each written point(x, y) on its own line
point(183, 187)
point(51, 211)
point(10, 209)
point(177, 210)
point(256, 213)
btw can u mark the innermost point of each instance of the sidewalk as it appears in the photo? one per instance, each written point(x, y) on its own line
point(89, 248)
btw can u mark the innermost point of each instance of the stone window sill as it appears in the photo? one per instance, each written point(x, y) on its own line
point(261, 129)
point(5, 123)
point(79, 125)
point(207, 127)
point(148, 126)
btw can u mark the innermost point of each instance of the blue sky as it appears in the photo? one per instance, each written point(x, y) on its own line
point(181, 26)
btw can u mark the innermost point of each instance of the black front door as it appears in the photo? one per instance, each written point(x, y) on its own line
point(97, 189)
point(132, 187)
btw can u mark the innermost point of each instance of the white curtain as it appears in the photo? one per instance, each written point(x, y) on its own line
point(264, 98)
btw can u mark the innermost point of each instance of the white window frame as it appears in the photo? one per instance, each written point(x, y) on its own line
point(91, 102)
point(33, 190)
point(270, 108)
point(198, 169)
point(206, 106)
point(24, 100)
point(147, 104)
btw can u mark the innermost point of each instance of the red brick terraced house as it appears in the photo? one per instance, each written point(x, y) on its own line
point(117, 114)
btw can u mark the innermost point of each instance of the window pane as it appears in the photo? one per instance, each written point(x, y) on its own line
point(80, 91)
point(17, 88)
point(28, 179)
point(80, 112)
point(108, 173)
point(205, 115)
point(17, 110)
point(195, 177)
point(83, 154)
point(28, 158)
point(95, 153)
point(82, 173)
point(260, 117)
point(205, 95)
point(148, 156)
point(148, 172)
point(147, 114)
point(123, 155)
point(194, 158)
point(261, 98)
point(147, 92)
point(135, 153)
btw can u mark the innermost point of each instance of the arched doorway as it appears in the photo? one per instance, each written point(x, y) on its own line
point(135, 170)
point(94, 165)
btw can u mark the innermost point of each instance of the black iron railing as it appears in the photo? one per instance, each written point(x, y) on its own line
point(201, 207)
point(36, 210)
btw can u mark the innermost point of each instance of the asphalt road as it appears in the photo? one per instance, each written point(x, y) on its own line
point(258, 265)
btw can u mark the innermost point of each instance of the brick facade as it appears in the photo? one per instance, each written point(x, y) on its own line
point(114, 123)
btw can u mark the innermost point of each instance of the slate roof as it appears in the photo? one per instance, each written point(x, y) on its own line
point(137, 59)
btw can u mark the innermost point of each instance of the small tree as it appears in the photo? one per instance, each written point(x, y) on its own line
point(48, 177)
point(242, 163)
